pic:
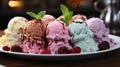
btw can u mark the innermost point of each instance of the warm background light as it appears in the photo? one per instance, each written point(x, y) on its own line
point(76, 3)
point(15, 3)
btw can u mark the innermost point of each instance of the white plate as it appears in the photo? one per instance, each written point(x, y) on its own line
point(64, 56)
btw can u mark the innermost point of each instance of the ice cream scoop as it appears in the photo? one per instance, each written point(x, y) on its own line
point(58, 37)
point(34, 36)
point(78, 17)
point(35, 29)
point(100, 31)
point(82, 36)
point(13, 32)
point(48, 18)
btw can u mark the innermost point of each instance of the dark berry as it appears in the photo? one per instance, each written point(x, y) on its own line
point(77, 49)
point(46, 51)
point(103, 45)
point(16, 48)
point(63, 50)
point(6, 48)
point(71, 51)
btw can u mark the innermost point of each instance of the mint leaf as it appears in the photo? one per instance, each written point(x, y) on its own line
point(41, 14)
point(64, 10)
point(32, 14)
point(37, 16)
point(66, 13)
point(70, 14)
point(65, 21)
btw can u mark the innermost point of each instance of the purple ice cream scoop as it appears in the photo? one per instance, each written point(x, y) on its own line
point(100, 31)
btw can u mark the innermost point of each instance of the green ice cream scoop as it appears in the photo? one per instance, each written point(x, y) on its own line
point(82, 37)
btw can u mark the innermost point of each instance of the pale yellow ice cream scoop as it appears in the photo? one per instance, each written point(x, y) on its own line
point(13, 32)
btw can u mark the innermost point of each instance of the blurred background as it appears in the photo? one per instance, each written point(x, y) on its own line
point(11, 8)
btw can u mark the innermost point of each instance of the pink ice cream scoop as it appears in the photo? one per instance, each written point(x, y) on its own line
point(58, 37)
point(33, 37)
point(48, 18)
point(100, 31)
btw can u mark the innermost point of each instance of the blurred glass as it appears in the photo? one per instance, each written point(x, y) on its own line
point(118, 21)
point(109, 14)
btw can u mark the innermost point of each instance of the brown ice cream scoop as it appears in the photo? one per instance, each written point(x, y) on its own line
point(34, 29)
point(78, 18)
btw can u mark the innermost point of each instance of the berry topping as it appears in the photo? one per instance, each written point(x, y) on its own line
point(16, 48)
point(46, 51)
point(6, 48)
point(63, 50)
point(71, 51)
point(104, 45)
point(77, 49)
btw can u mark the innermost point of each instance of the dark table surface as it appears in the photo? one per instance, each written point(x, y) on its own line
point(110, 59)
